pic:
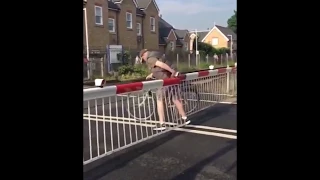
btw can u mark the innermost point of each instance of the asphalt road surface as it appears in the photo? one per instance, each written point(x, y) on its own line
point(199, 151)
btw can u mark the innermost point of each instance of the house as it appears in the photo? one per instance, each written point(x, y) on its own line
point(130, 23)
point(172, 39)
point(150, 23)
point(164, 30)
point(178, 40)
point(219, 37)
point(97, 18)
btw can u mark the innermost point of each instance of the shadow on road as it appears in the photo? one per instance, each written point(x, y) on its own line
point(191, 173)
point(122, 159)
point(119, 161)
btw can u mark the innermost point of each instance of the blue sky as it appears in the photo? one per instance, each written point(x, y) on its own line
point(196, 14)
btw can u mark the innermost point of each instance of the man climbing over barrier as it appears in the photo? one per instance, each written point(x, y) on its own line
point(161, 70)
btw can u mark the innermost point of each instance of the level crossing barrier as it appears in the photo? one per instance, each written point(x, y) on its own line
point(119, 116)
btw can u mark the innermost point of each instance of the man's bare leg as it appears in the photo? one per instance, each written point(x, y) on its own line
point(181, 111)
point(160, 108)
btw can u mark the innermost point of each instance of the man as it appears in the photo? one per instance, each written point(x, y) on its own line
point(160, 70)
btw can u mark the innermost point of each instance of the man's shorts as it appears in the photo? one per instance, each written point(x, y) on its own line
point(171, 92)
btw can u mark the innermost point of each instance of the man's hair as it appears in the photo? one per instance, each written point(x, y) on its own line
point(142, 52)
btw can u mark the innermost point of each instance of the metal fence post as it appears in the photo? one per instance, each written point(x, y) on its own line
point(102, 66)
point(177, 59)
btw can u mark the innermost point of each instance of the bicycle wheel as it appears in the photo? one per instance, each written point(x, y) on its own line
point(140, 106)
point(190, 99)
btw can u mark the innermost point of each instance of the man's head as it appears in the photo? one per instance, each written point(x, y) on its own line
point(143, 55)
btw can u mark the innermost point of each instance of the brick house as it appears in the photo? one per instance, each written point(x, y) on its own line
point(131, 23)
point(219, 37)
point(97, 21)
point(172, 39)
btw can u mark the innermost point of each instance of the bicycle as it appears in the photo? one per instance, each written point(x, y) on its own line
point(148, 100)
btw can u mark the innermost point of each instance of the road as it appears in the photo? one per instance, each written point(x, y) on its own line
point(197, 152)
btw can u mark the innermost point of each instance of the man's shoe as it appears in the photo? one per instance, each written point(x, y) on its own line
point(160, 127)
point(186, 121)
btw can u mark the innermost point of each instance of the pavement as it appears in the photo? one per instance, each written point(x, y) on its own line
point(203, 150)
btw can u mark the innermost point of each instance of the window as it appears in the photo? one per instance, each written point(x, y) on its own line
point(98, 15)
point(153, 24)
point(186, 46)
point(129, 20)
point(171, 45)
point(111, 25)
point(138, 29)
point(215, 41)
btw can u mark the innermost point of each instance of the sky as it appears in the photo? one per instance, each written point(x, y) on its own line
point(196, 14)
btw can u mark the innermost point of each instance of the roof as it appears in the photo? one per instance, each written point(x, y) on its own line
point(143, 3)
point(181, 33)
point(140, 12)
point(201, 34)
point(164, 30)
point(227, 32)
point(112, 5)
point(120, 1)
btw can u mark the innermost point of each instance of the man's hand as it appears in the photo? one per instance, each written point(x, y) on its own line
point(150, 76)
point(175, 74)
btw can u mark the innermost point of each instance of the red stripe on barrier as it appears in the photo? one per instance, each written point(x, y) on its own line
point(182, 76)
point(203, 73)
point(123, 88)
point(171, 81)
point(234, 69)
point(222, 70)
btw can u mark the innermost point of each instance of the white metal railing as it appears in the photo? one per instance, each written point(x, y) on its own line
point(117, 117)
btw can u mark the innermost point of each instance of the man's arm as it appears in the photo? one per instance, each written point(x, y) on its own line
point(164, 66)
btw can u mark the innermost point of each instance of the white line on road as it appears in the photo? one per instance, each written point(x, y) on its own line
point(120, 119)
point(212, 128)
point(206, 133)
point(119, 122)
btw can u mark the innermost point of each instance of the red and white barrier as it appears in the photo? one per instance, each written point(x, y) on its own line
point(113, 90)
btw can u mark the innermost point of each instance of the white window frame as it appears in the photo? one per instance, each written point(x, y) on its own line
point(95, 15)
point(153, 26)
point(172, 44)
point(215, 41)
point(139, 29)
point(127, 20)
point(113, 23)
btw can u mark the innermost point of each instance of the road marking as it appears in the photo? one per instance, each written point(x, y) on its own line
point(206, 133)
point(212, 128)
point(150, 123)
point(119, 122)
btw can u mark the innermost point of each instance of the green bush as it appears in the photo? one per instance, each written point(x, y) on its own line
point(206, 49)
point(139, 69)
point(125, 69)
point(204, 65)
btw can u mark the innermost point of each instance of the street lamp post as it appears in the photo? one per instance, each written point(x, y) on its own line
point(87, 41)
point(231, 44)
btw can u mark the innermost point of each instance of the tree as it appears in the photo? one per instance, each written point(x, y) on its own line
point(232, 22)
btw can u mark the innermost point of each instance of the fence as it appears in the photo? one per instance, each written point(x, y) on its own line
point(98, 65)
point(117, 117)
